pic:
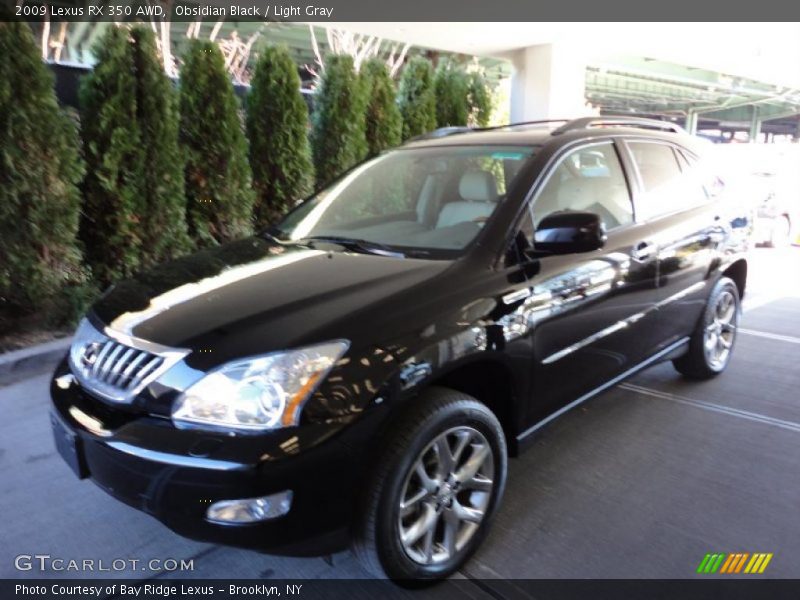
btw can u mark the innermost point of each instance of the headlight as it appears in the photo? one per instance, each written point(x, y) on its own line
point(257, 394)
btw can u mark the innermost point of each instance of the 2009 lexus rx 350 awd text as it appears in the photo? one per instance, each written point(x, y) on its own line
point(357, 375)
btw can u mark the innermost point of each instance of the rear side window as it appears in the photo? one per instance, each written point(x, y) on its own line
point(712, 184)
point(669, 182)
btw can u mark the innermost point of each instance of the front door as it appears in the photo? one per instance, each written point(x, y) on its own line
point(590, 312)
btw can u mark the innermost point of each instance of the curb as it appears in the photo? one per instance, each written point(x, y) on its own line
point(19, 364)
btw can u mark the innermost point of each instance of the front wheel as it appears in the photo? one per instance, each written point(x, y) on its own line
point(711, 344)
point(434, 490)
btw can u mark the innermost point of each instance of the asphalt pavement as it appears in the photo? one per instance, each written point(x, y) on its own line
point(640, 482)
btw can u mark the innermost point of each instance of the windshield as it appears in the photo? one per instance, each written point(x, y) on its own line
point(422, 202)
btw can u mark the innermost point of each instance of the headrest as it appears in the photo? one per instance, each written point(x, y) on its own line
point(478, 186)
point(577, 194)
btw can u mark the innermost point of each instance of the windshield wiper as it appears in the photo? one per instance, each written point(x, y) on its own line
point(271, 234)
point(356, 244)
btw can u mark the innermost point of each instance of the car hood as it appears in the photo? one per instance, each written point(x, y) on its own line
point(255, 296)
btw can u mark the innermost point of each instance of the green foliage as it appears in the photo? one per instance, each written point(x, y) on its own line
point(277, 120)
point(417, 98)
point(338, 138)
point(452, 86)
point(384, 124)
point(113, 191)
point(134, 211)
point(219, 197)
point(479, 100)
point(165, 219)
point(40, 169)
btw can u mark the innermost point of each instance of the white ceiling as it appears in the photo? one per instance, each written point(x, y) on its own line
point(768, 52)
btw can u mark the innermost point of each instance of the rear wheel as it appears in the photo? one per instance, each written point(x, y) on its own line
point(434, 490)
point(711, 344)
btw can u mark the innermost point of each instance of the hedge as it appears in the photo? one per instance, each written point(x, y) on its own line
point(280, 156)
point(479, 100)
point(384, 124)
point(452, 86)
point(338, 138)
point(40, 169)
point(219, 196)
point(165, 217)
point(417, 98)
point(134, 204)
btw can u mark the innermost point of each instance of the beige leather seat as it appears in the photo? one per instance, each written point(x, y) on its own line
point(478, 190)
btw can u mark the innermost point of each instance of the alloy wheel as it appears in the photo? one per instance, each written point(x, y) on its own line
point(446, 495)
point(721, 331)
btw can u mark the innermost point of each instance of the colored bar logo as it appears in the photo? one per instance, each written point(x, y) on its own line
point(737, 562)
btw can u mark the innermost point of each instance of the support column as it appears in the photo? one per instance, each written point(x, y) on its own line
point(691, 122)
point(755, 126)
point(548, 82)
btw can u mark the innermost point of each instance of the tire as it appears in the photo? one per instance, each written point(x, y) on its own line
point(712, 342)
point(439, 416)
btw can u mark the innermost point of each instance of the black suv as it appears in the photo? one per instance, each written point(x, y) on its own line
point(358, 374)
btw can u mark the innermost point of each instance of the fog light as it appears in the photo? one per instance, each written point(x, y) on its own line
point(250, 510)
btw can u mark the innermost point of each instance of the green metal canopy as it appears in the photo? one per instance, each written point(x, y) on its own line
point(703, 99)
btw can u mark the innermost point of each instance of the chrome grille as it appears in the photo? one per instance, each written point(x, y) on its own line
point(117, 367)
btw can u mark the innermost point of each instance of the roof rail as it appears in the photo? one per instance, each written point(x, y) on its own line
point(441, 132)
point(642, 123)
point(537, 122)
point(568, 125)
point(453, 130)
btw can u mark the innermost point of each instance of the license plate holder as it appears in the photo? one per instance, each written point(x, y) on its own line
point(70, 448)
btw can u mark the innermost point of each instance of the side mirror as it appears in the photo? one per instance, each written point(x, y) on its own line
point(569, 232)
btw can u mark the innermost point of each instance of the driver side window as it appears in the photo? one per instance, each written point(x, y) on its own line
point(589, 179)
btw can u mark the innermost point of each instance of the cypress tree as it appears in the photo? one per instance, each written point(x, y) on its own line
point(40, 168)
point(164, 230)
point(277, 119)
point(134, 212)
point(219, 199)
point(480, 100)
point(384, 125)
point(338, 138)
point(452, 87)
point(417, 98)
point(113, 191)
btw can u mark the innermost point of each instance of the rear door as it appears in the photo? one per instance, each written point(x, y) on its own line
point(686, 228)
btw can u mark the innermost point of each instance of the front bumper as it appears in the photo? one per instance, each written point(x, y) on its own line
point(175, 475)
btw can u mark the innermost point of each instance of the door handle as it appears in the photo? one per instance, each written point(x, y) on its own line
point(643, 251)
point(513, 297)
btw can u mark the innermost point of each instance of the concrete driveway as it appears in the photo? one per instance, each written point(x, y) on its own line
point(640, 482)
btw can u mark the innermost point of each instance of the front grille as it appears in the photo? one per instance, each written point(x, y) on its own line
point(117, 367)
